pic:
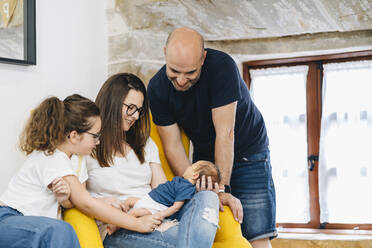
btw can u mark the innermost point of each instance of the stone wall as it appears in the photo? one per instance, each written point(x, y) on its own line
point(137, 30)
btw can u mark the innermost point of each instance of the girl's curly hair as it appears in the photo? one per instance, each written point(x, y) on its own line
point(52, 121)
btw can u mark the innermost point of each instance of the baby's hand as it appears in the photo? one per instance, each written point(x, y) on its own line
point(128, 203)
point(61, 189)
point(111, 229)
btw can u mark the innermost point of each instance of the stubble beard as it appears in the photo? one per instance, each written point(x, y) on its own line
point(189, 84)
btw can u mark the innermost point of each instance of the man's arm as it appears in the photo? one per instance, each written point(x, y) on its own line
point(224, 123)
point(173, 148)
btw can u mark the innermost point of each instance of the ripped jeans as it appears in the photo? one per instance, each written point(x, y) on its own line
point(197, 226)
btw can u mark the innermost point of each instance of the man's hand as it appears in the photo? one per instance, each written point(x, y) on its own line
point(206, 184)
point(234, 203)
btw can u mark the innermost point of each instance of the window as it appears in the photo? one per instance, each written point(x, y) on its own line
point(280, 94)
point(318, 108)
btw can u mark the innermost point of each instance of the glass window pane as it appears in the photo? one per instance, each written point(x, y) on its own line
point(280, 95)
point(345, 163)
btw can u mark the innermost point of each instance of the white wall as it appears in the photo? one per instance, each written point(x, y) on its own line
point(71, 58)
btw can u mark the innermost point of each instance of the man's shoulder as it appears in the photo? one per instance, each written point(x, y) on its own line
point(216, 60)
point(216, 55)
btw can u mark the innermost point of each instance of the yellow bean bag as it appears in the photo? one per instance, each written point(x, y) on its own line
point(85, 228)
point(228, 235)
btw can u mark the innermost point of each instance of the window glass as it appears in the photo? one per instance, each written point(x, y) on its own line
point(280, 95)
point(345, 161)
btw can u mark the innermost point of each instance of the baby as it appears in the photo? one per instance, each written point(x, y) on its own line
point(168, 198)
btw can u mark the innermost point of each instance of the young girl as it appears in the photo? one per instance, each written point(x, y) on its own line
point(55, 133)
point(127, 164)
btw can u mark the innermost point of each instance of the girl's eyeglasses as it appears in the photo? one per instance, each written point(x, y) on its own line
point(95, 135)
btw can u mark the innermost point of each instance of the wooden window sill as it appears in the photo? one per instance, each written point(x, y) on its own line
point(321, 240)
point(323, 234)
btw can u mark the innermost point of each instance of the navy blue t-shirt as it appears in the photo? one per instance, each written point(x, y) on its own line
point(179, 189)
point(220, 83)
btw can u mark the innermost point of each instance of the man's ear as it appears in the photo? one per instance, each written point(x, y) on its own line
point(74, 137)
point(204, 56)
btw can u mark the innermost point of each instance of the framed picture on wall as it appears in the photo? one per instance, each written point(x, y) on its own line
point(17, 32)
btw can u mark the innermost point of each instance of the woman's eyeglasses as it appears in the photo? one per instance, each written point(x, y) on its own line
point(132, 109)
point(95, 135)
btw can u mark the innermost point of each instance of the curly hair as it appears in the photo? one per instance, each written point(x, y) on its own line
point(52, 121)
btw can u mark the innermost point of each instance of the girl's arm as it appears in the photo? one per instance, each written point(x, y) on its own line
point(82, 200)
point(158, 176)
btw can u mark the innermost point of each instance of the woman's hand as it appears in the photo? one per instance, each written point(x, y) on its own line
point(148, 223)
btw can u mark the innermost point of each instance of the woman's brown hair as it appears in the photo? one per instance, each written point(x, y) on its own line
point(52, 121)
point(110, 101)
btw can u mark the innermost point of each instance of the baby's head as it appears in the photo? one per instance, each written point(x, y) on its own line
point(202, 168)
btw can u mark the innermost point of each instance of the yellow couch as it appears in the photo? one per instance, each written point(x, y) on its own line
point(228, 235)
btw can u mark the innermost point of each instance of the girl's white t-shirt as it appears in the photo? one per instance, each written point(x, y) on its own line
point(126, 177)
point(28, 190)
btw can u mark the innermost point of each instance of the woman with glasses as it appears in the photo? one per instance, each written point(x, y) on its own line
point(126, 164)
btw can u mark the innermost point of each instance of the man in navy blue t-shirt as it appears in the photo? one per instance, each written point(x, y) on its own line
point(201, 91)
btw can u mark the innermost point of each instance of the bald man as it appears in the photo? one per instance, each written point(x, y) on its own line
point(201, 91)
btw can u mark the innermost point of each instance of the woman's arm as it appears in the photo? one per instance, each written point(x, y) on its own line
point(82, 200)
point(158, 176)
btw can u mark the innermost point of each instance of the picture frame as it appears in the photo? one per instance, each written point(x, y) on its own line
point(18, 32)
